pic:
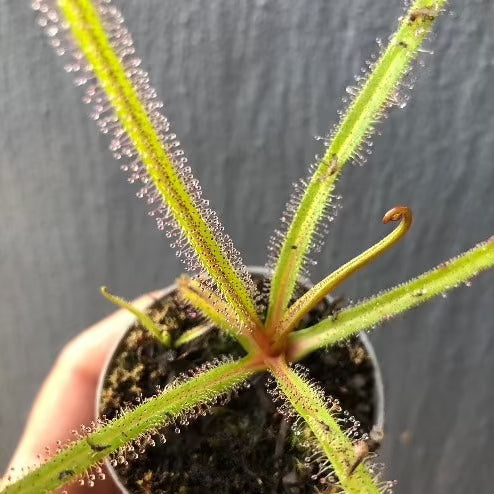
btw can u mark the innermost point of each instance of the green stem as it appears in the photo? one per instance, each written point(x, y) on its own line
point(368, 107)
point(381, 308)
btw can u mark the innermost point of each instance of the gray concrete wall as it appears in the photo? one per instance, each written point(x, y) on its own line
point(248, 84)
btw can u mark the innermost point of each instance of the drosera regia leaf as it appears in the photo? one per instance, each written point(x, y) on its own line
point(308, 401)
point(193, 333)
point(309, 208)
point(215, 309)
point(383, 307)
point(176, 401)
point(316, 294)
point(92, 35)
point(158, 331)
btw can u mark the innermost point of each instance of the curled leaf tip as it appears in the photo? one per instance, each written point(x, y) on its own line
point(399, 213)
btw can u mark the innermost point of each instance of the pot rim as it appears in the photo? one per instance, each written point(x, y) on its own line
point(266, 272)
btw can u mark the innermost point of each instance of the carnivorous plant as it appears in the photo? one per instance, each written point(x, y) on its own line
point(98, 49)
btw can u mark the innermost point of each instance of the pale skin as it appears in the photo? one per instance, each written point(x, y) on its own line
point(66, 399)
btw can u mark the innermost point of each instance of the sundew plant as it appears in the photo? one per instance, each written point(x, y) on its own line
point(98, 50)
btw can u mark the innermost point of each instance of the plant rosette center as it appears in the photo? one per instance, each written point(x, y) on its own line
point(244, 442)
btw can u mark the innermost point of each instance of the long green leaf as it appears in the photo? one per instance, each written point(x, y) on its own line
point(337, 446)
point(216, 256)
point(375, 95)
point(215, 309)
point(159, 332)
point(144, 419)
point(312, 297)
point(381, 308)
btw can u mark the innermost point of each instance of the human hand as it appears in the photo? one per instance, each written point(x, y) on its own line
point(66, 399)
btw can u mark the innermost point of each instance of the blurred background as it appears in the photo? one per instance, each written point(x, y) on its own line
point(248, 85)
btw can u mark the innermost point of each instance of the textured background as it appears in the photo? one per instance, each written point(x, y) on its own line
point(248, 84)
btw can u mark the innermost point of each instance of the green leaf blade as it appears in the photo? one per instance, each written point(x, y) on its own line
point(381, 308)
point(374, 96)
point(317, 293)
point(197, 224)
point(333, 441)
point(146, 418)
point(214, 309)
point(160, 333)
